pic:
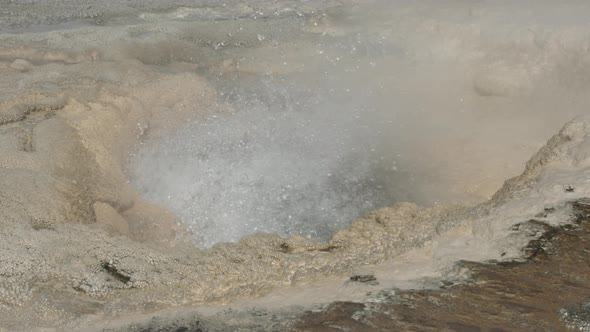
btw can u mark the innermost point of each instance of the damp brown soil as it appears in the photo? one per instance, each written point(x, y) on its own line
point(546, 292)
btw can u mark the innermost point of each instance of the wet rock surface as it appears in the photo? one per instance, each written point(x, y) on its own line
point(546, 292)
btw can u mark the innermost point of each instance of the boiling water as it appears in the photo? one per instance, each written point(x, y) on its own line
point(289, 160)
point(326, 109)
point(345, 109)
point(290, 117)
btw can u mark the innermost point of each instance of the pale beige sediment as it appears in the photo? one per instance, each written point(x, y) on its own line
point(72, 224)
point(71, 147)
point(108, 217)
point(64, 149)
point(78, 246)
point(36, 55)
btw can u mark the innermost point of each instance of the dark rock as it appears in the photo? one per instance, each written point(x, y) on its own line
point(363, 278)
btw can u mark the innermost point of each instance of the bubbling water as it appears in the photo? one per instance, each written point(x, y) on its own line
point(285, 161)
point(339, 111)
